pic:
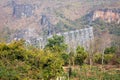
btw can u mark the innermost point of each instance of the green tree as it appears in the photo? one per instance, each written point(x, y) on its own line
point(17, 62)
point(65, 57)
point(56, 44)
point(81, 55)
point(110, 50)
point(107, 58)
point(50, 64)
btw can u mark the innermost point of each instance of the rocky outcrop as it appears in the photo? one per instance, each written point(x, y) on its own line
point(51, 16)
point(108, 15)
point(22, 10)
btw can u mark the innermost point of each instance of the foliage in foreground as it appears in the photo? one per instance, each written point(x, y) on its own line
point(20, 63)
point(81, 55)
point(84, 72)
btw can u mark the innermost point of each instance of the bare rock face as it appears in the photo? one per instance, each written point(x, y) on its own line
point(20, 10)
point(108, 15)
point(27, 18)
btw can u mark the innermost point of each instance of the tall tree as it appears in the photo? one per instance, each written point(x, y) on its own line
point(56, 44)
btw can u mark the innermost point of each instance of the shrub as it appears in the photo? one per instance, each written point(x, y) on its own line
point(20, 63)
point(98, 58)
point(118, 60)
point(107, 58)
point(74, 74)
point(107, 76)
point(65, 57)
point(110, 50)
point(81, 55)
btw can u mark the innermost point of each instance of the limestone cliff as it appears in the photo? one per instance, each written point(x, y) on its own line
point(108, 15)
point(51, 16)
